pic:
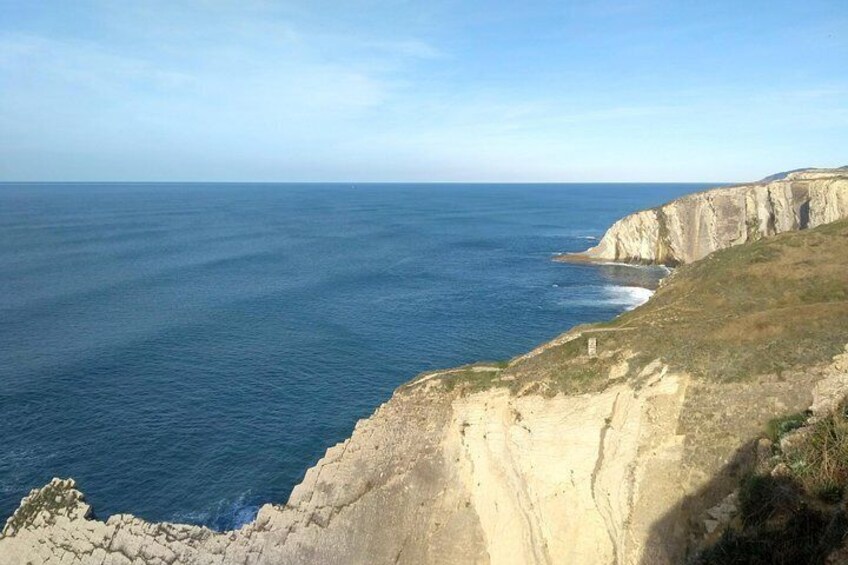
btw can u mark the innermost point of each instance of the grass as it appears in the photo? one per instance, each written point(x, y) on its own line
point(762, 497)
point(800, 515)
point(823, 458)
point(761, 308)
point(755, 309)
point(805, 537)
point(468, 381)
point(777, 428)
point(766, 307)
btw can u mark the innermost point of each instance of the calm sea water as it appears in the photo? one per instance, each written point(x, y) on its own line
point(186, 351)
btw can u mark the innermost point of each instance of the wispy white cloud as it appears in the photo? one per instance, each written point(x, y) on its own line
point(415, 48)
point(36, 58)
point(320, 90)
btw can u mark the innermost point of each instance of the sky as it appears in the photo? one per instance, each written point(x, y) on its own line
point(438, 90)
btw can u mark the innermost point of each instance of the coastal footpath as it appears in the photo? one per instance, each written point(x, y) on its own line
point(688, 429)
point(692, 227)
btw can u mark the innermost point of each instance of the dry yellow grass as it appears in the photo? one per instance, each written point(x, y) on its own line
point(762, 308)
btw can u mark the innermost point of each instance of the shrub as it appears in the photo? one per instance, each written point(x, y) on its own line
point(825, 472)
point(762, 496)
point(779, 427)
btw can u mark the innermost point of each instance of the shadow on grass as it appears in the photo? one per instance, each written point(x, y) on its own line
point(778, 522)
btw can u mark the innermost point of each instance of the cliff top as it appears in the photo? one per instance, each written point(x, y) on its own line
point(764, 308)
point(801, 173)
point(808, 173)
point(691, 227)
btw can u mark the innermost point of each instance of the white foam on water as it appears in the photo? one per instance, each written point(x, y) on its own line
point(628, 296)
point(190, 517)
point(12, 463)
point(228, 514)
point(618, 264)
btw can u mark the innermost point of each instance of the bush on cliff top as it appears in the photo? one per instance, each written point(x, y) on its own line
point(766, 307)
point(761, 308)
point(798, 516)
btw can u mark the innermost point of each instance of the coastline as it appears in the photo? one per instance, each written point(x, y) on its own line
point(617, 418)
point(628, 303)
point(415, 400)
point(284, 315)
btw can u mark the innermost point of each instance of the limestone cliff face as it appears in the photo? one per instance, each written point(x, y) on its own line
point(489, 477)
point(691, 227)
point(480, 465)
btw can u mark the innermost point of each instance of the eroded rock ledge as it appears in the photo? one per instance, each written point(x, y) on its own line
point(693, 226)
point(488, 477)
point(558, 456)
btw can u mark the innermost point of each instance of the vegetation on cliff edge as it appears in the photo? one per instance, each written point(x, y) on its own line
point(795, 511)
point(761, 308)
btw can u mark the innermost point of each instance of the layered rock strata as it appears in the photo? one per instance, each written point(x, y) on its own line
point(692, 227)
point(478, 465)
point(488, 477)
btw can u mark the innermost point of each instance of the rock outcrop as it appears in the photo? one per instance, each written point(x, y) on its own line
point(692, 227)
point(489, 477)
point(628, 453)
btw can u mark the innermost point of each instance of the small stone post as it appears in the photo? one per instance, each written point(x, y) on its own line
point(593, 347)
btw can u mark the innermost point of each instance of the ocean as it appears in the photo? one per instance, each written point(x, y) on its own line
point(187, 351)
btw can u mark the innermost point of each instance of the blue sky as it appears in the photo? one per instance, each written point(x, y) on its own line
point(252, 90)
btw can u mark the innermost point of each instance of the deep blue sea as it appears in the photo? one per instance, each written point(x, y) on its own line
point(187, 351)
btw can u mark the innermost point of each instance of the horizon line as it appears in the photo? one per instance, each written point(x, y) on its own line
point(392, 182)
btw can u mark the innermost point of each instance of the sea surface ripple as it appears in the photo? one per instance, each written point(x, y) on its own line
point(186, 351)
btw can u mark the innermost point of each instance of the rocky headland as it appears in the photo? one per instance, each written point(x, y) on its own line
point(692, 227)
point(689, 429)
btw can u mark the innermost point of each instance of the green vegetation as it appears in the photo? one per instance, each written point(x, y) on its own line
point(797, 515)
point(821, 464)
point(755, 309)
point(760, 497)
point(766, 307)
point(779, 427)
point(804, 536)
point(761, 308)
point(469, 380)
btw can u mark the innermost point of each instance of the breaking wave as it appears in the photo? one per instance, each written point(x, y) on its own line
point(226, 515)
point(620, 297)
point(627, 296)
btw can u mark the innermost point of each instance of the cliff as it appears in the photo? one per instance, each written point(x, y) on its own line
point(692, 227)
point(634, 454)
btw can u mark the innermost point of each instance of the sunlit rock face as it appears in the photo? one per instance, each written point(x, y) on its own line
point(491, 477)
point(638, 469)
point(691, 227)
point(430, 478)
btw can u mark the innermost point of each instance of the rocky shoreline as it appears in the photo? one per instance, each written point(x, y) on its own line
point(693, 226)
point(618, 453)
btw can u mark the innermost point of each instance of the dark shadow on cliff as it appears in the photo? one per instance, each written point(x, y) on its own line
point(671, 536)
point(778, 520)
point(804, 216)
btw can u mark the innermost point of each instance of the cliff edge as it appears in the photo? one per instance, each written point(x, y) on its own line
point(695, 225)
point(622, 442)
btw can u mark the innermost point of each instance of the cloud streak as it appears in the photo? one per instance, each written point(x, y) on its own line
point(377, 91)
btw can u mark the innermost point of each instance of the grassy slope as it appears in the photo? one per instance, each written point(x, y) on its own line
point(753, 309)
point(770, 307)
point(792, 511)
point(760, 308)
